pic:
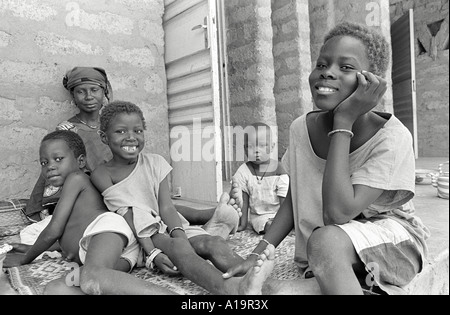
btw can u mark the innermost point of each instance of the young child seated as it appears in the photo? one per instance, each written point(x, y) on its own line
point(90, 89)
point(87, 232)
point(352, 178)
point(135, 185)
point(263, 181)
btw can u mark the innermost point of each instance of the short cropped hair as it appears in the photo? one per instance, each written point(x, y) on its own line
point(117, 107)
point(377, 47)
point(73, 140)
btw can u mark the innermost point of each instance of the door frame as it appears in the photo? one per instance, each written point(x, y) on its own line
point(217, 53)
point(227, 141)
point(413, 81)
point(215, 35)
point(412, 78)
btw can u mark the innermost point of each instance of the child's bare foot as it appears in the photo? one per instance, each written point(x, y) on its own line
point(253, 281)
point(233, 202)
point(236, 193)
point(225, 219)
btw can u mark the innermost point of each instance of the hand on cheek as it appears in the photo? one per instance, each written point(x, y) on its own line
point(369, 92)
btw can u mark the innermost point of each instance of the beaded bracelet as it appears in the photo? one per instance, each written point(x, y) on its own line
point(341, 130)
point(151, 257)
point(174, 229)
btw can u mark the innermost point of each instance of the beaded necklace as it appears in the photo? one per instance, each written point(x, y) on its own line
point(85, 123)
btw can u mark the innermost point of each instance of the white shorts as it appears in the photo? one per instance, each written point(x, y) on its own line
point(259, 221)
point(111, 222)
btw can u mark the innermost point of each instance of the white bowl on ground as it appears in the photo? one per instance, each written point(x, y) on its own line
point(423, 176)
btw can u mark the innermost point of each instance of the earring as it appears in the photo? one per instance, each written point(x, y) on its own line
point(73, 103)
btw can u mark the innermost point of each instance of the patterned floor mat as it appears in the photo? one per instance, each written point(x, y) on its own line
point(31, 279)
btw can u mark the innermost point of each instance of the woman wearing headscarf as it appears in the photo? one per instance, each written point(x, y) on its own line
point(90, 90)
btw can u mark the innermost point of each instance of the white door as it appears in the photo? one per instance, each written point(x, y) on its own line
point(195, 97)
point(404, 73)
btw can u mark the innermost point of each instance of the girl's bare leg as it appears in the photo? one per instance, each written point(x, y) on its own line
point(291, 287)
point(271, 286)
point(216, 250)
point(195, 216)
point(59, 287)
point(202, 216)
point(193, 267)
point(255, 278)
point(99, 277)
point(199, 271)
point(333, 260)
point(67, 285)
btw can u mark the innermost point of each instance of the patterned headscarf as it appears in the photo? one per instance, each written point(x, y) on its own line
point(92, 75)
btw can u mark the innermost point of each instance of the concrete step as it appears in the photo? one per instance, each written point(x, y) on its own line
point(434, 212)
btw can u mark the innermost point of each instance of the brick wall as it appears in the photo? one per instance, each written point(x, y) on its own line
point(250, 63)
point(41, 39)
point(291, 51)
point(269, 67)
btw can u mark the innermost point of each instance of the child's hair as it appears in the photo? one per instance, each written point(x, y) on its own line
point(73, 140)
point(114, 108)
point(377, 48)
point(256, 126)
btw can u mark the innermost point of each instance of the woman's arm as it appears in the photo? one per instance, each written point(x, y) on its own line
point(34, 204)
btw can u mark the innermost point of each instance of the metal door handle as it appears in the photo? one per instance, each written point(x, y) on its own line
point(203, 26)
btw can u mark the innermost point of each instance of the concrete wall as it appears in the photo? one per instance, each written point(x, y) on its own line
point(41, 39)
point(432, 73)
point(432, 105)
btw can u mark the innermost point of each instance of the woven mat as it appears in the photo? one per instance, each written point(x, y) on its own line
point(31, 279)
